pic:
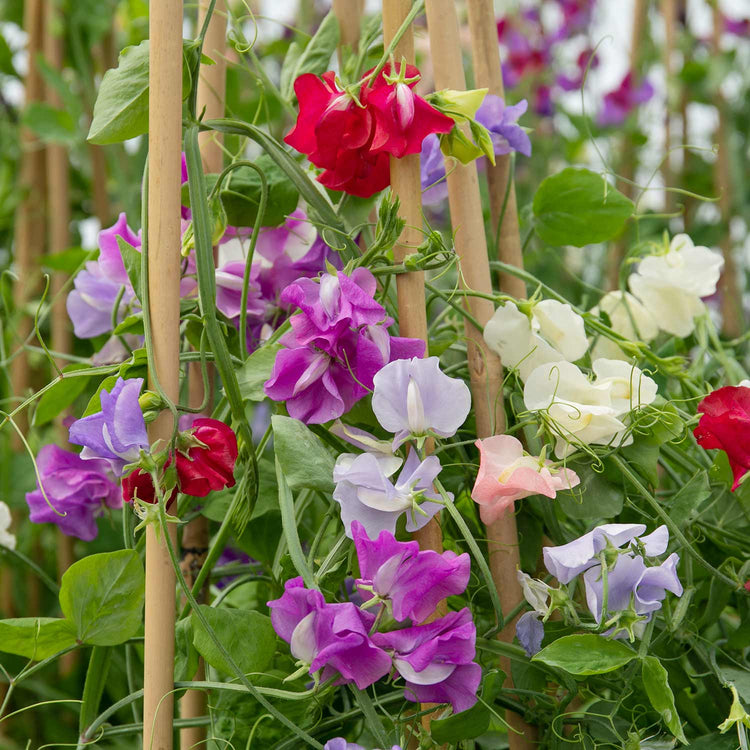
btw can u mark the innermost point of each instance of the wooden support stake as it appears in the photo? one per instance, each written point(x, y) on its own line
point(627, 157)
point(485, 370)
point(731, 303)
point(195, 537)
point(488, 74)
point(164, 140)
point(349, 14)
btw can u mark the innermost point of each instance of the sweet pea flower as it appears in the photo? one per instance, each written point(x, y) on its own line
point(414, 398)
point(530, 633)
point(7, 538)
point(432, 172)
point(78, 491)
point(366, 493)
point(117, 433)
point(566, 561)
point(229, 281)
point(724, 424)
point(618, 104)
point(628, 387)
point(436, 660)
point(506, 475)
point(329, 637)
point(553, 333)
point(629, 318)
point(670, 286)
point(502, 123)
point(411, 580)
point(339, 743)
point(205, 457)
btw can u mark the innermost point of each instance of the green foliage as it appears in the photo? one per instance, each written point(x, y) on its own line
point(36, 638)
point(585, 654)
point(61, 395)
point(293, 439)
point(656, 682)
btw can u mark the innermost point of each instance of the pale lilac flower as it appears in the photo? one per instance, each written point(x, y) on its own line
point(339, 743)
point(618, 104)
point(414, 398)
point(566, 561)
point(436, 660)
point(366, 493)
point(411, 580)
point(361, 439)
point(502, 122)
point(432, 169)
point(77, 490)
point(530, 632)
point(117, 433)
point(333, 638)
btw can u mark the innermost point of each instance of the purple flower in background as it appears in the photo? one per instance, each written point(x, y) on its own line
point(90, 304)
point(339, 743)
point(414, 398)
point(618, 104)
point(502, 122)
point(436, 660)
point(228, 556)
point(78, 491)
point(568, 560)
point(525, 55)
point(118, 432)
point(432, 168)
point(576, 17)
point(229, 280)
point(331, 637)
point(366, 493)
point(530, 632)
point(737, 26)
point(543, 105)
point(414, 581)
point(574, 83)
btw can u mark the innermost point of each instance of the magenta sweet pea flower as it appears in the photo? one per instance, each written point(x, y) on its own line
point(333, 638)
point(414, 398)
point(117, 433)
point(366, 493)
point(78, 491)
point(436, 660)
point(411, 580)
point(618, 104)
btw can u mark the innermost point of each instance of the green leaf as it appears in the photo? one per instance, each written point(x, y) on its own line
point(51, 125)
point(690, 498)
point(240, 195)
point(286, 81)
point(102, 596)
point(585, 654)
point(95, 404)
point(186, 657)
point(36, 638)
point(304, 460)
point(656, 682)
point(594, 497)
point(316, 56)
point(6, 59)
point(121, 107)
point(247, 635)
point(132, 324)
point(255, 371)
point(93, 689)
point(644, 454)
point(69, 260)
point(61, 395)
point(578, 207)
point(131, 258)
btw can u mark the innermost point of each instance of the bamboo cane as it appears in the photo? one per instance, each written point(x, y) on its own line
point(627, 160)
point(195, 538)
point(164, 136)
point(504, 211)
point(669, 14)
point(485, 370)
point(349, 14)
point(731, 304)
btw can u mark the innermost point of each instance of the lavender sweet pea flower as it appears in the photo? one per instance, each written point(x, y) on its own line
point(413, 581)
point(436, 660)
point(530, 632)
point(78, 491)
point(501, 121)
point(366, 493)
point(331, 637)
point(414, 398)
point(339, 743)
point(118, 432)
point(631, 579)
point(432, 169)
point(618, 104)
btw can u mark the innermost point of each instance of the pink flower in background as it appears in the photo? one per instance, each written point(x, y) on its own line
point(506, 475)
point(618, 104)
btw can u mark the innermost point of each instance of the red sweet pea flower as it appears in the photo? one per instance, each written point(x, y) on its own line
point(138, 484)
point(351, 139)
point(207, 467)
point(725, 424)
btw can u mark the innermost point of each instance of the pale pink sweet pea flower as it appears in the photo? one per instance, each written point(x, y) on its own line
point(506, 475)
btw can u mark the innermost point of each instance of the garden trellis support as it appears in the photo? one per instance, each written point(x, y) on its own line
point(164, 136)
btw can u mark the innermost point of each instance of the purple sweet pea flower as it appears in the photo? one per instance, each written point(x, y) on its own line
point(432, 170)
point(630, 578)
point(530, 632)
point(366, 494)
point(339, 743)
point(229, 280)
point(413, 397)
point(618, 104)
point(501, 121)
point(574, 83)
point(78, 491)
point(413, 581)
point(118, 432)
point(568, 560)
point(436, 660)
point(331, 637)
point(737, 26)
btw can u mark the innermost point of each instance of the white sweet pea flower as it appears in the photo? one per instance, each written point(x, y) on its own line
point(629, 318)
point(577, 410)
point(7, 539)
point(536, 592)
point(554, 333)
point(629, 387)
point(670, 286)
